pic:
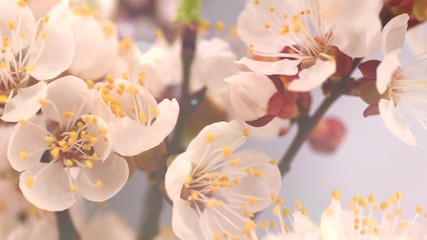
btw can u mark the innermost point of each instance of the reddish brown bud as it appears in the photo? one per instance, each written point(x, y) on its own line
point(371, 110)
point(397, 3)
point(343, 61)
point(327, 135)
point(369, 69)
point(282, 106)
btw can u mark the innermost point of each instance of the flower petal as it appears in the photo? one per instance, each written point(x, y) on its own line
point(98, 127)
point(53, 53)
point(176, 174)
point(393, 34)
point(394, 122)
point(27, 144)
point(25, 104)
point(281, 67)
point(386, 70)
point(47, 187)
point(104, 180)
point(313, 76)
point(185, 222)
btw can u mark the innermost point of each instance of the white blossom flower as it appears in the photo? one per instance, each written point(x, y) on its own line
point(41, 50)
point(137, 122)
point(401, 85)
point(96, 41)
point(310, 30)
point(66, 150)
point(6, 131)
point(214, 190)
point(360, 222)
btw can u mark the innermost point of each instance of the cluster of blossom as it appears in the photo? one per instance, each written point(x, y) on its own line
point(78, 105)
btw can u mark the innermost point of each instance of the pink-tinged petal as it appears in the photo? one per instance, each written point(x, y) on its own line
point(104, 180)
point(46, 186)
point(53, 53)
point(10, 11)
point(185, 221)
point(415, 37)
point(394, 122)
point(386, 70)
point(40, 8)
point(6, 131)
point(313, 76)
point(176, 174)
point(216, 137)
point(261, 187)
point(25, 104)
point(95, 50)
point(27, 144)
point(249, 103)
point(251, 27)
point(216, 220)
point(281, 67)
point(214, 61)
point(96, 126)
point(273, 129)
point(67, 94)
point(393, 34)
point(132, 137)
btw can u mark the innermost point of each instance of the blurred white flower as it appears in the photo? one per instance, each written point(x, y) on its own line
point(66, 150)
point(214, 190)
point(401, 85)
point(41, 50)
point(310, 30)
point(96, 40)
point(137, 122)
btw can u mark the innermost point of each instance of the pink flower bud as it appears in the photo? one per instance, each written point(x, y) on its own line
point(327, 136)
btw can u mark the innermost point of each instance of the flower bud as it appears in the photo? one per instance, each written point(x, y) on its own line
point(327, 136)
point(250, 94)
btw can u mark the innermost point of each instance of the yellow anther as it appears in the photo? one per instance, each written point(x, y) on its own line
point(125, 76)
point(89, 164)
point(108, 30)
point(394, 199)
point(23, 155)
point(212, 202)
point(6, 43)
point(420, 209)
point(93, 140)
point(399, 195)
point(336, 195)
point(273, 161)
point(286, 212)
point(249, 227)
point(155, 112)
point(87, 119)
point(246, 132)
point(249, 171)
point(73, 188)
point(210, 138)
point(46, 18)
point(267, 26)
point(217, 236)
point(42, 101)
point(22, 4)
point(29, 181)
point(141, 78)
point(194, 195)
point(143, 117)
point(159, 33)
point(244, 206)
point(249, 215)
point(256, 2)
point(62, 143)
point(90, 84)
point(297, 28)
point(99, 184)
point(295, 18)
point(29, 68)
point(3, 65)
point(69, 163)
point(42, 34)
point(276, 210)
point(384, 205)
point(23, 121)
point(258, 173)
point(398, 212)
point(237, 181)
point(109, 79)
point(131, 90)
point(234, 162)
point(11, 25)
point(68, 114)
point(272, 9)
point(103, 131)
point(252, 200)
point(54, 153)
point(371, 198)
point(80, 125)
point(363, 202)
point(298, 205)
point(219, 26)
point(188, 180)
point(226, 152)
point(95, 156)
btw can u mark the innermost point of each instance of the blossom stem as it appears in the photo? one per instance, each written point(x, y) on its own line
point(67, 231)
point(153, 204)
point(307, 124)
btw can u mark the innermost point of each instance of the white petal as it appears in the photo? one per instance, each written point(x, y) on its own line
point(281, 67)
point(176, 174)
point(27, 144)
point(11, 12)
point(304, 227)
point(131, 137)
point(246, 103)
point(50, 190)
point(25, 104)
point(67, 94)
point(393, 34)
point(225, 135)
point(259, 187)
point(53, 54)
point(104, 180)
point(216, 220)
point(185, 222)
point(415, 36)
point(313, 76)
point(334, 222)
point(386, 70)
point(105, 142)
point(394, 122)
